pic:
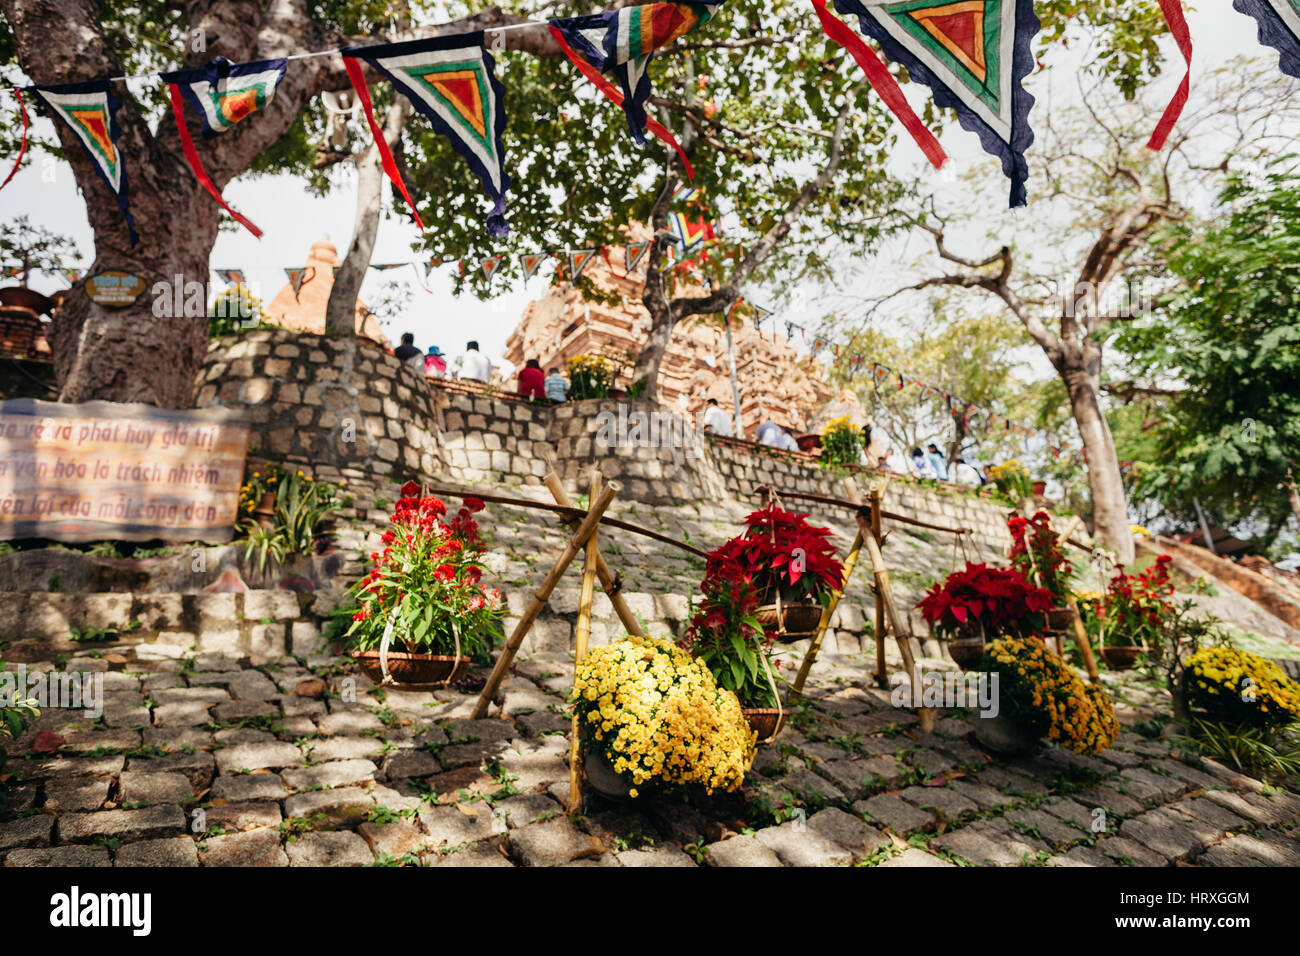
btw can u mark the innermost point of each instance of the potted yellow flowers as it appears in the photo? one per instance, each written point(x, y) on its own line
point(649, 713)
point(1039, 695)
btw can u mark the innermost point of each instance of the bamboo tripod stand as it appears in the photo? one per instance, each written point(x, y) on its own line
point(888, 620)
point(583, 540)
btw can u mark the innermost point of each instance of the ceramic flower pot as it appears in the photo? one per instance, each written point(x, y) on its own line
point(265, 511)
point(412, 669)
point(764, 721)
point(601, 776)
point(1003, 736)
point(808, 442)
point(1121, 658)
point(966, 653)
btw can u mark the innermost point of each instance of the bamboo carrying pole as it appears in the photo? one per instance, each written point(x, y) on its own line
point(581, 637)
point(877, 512)
point(1081, 638)
point(886, 591)
point(543, 594)
point(608, 581)
point(850, 562)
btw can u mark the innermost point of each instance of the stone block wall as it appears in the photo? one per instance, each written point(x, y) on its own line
point(260, 625)
point(343, 407)
point(487, 438)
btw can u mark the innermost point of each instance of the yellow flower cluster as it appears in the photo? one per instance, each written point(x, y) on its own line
point(594, 363)
point(840, 425)
point(1077, 715)
point(659, 715)
point(1008, 470)
point(1224, 678)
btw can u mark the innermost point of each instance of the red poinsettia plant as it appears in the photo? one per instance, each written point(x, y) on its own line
point(780, 549)
point(1036, 553)
point(1137, 606)
point(427, 582)
point(988, 602)
point(725, 632)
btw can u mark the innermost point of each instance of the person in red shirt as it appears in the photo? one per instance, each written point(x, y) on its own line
point(532, 381)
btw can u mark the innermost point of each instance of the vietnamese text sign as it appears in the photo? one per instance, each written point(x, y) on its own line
point(101, 470)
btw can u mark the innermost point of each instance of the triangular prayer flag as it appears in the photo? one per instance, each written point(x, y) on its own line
point(689, 235)
point(451, 81)
point(298, 278)
point(231, 276)
point(634, 253)
point(879, 372)
point(88, 110)
point(1279, 27)
point(532, 261)
point(72, 275)
point(221, 93)
point(490, 265)
point(385, 266)
point(623, 42)
point(974, 56)
point(578, 259)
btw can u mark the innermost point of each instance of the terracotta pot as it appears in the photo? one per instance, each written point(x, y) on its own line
point(601, 777)
point(966, 653)
point(1002, 735)
point(1060, 619)
point(265, 511)
point(413, 669)
point(765, 721)
point(1040, 489)
point(1121, 658)
point(801, 620)
point(808, 442)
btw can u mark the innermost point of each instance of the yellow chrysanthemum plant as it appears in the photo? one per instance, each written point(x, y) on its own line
point(841, 443)
point(1238, 687)
point(1046, 698)
point(659, 718)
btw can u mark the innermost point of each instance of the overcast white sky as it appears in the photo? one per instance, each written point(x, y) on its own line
point(292, 219)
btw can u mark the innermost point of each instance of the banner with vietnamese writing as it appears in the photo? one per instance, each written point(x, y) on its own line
point(102, 471)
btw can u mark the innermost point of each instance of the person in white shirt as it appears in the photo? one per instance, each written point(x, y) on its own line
point(893, 461)
point(964, 474)
point(716, 420)
point(473, 365)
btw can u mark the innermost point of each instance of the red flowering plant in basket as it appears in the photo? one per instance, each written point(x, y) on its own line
point(781, 550)
point(1137, 607)
point(425, 587)
point(726, 634)
point(980, 601)
point(1036, 553)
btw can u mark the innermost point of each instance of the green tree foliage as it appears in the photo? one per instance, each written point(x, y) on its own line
point(1231, 342)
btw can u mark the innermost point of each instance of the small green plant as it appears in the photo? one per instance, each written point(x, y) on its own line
point(1260, 751)
point(103, 549)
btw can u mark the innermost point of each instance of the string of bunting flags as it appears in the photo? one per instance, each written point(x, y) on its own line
point(973, 55)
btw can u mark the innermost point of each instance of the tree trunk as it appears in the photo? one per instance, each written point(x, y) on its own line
point(1109, 506)
point(1293, 491)
point(341, 312)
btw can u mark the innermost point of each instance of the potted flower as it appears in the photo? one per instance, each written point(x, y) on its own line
point(422, 612)
point(980, 602)
point(1039, 695)
point(1131, 620)
point(793, 565)
point(1241, 689)
point(841, 443)
point(1036, 553)
point(1012, 481)
point(590, 376)
point(650, 714)
point(726, 635)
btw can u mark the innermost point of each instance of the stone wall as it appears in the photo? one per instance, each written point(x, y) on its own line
point(492, 438)
point(260, 625)
point(343, 407)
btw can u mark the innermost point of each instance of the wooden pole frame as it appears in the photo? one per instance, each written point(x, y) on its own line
point(586, 528)
point(581, 637)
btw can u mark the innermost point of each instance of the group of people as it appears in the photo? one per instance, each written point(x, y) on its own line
point(472, 365)
point(928, 463)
